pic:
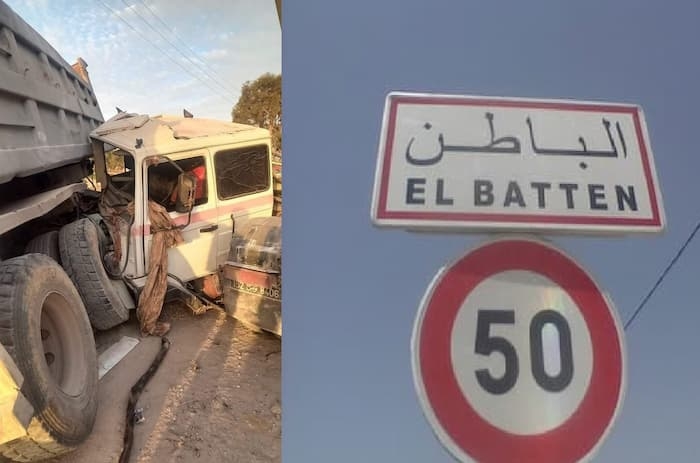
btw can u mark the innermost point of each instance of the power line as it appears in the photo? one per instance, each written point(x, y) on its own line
point(200, 65)
point(162, 51)
point(177, 37)
point(663, 275)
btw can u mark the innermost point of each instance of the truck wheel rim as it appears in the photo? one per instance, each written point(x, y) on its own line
point(61, 339)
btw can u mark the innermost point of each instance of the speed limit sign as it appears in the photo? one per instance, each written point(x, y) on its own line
point(518, 356)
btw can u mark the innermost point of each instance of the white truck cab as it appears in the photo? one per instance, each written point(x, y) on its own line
point(232, 164)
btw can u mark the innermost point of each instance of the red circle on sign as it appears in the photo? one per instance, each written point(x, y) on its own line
point(466, 429)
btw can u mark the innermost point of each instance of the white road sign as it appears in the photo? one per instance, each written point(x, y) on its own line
point(518, 356)
point(473, 163)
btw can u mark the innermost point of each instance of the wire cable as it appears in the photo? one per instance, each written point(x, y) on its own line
point(198, 65)
point(663, 275)
point(215, 76)
point(184, 68)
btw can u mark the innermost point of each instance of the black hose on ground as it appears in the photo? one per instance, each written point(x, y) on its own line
point(134, 395)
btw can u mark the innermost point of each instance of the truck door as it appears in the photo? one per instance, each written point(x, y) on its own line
point(243, 188)
point(196, 256)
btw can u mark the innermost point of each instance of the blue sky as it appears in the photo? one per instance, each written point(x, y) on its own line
point(352, 291)
point(234, 41)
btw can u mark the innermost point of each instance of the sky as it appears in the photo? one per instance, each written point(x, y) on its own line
point(158, 56)
point(352, 290)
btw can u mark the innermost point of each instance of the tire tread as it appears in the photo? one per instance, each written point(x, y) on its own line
point(85, 269)
point(39, 443)
point(46, 243)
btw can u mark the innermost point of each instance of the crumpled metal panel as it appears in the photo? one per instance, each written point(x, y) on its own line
point(121, 122)
point(193, 128)
point(145, 135)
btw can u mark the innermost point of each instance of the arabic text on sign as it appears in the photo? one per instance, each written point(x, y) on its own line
point(511, 145)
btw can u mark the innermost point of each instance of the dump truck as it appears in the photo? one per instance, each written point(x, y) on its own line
point(76, 236)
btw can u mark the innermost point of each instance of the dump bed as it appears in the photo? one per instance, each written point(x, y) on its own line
point(47, 109)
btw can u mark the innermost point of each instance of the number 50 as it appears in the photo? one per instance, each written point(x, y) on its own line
point(486, 344)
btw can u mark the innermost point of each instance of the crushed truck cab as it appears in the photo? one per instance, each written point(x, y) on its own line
point(139, 158)
point(236, 166)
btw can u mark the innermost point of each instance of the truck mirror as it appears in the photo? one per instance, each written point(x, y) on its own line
point(186, 187)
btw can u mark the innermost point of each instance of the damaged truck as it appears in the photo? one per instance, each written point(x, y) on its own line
point(101, 218)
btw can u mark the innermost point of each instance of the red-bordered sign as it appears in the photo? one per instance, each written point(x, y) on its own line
point(437, 195)
point(458, 419)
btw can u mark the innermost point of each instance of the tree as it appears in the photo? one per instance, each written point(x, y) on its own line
point(260, 104)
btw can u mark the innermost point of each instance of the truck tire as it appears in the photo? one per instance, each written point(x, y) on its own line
point(44, 328)
point(47, 244)
point(80, 257)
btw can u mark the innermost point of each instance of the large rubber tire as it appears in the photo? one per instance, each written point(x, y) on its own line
point(45, 329)
point(80, 257)
point(47, 244)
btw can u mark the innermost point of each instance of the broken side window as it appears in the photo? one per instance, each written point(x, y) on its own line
point(242, 171)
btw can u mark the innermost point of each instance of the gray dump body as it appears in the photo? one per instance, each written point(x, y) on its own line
point(47, 109)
